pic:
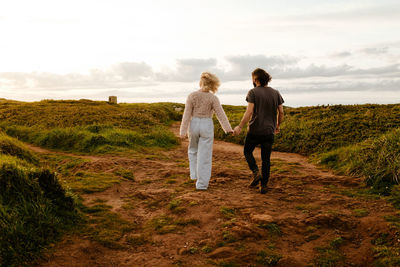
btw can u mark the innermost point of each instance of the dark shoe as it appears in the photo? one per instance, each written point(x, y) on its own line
point(263, 189)
point(256, 179)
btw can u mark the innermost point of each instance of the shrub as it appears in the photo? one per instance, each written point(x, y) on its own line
point(34, 211)
point(34, 208)
point(376, 159)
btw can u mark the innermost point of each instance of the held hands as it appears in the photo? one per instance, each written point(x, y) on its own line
point(277, 130)
point(236, 131)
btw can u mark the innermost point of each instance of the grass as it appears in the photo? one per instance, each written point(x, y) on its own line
point(273, 229)
point(124, 173)
point(90, 126)
point(48, 114)
point(387, 256)
point(174, 206)
point(228, 213)
point(394, 221)
point(35, 210)
point(138, 240)
point(228, 237)
point(206, 249)
point(109, 139)
point(307, 130)
point(106, 227)
point(165, 224)
point(12, 147)
point(375, 159)
point(306, 208)
point(360, 212)
point(329, 255)
point(90, 182)
point(267, 257)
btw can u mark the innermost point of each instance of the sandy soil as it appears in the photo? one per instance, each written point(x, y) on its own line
point(303, 201)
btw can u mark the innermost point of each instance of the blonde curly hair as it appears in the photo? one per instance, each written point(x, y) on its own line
point(209, 82)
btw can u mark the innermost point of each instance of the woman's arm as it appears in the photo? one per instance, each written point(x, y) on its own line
point(187, 115)
point(221, 116)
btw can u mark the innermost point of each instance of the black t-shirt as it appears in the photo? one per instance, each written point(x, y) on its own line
point(266, 101)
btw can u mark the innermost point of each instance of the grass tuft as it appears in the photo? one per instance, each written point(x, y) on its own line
point(228, 213)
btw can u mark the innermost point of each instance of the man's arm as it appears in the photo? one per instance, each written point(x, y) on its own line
point(280, 119)
point(246, 118)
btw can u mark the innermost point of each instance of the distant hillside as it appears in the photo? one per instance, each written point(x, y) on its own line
point(90, 126)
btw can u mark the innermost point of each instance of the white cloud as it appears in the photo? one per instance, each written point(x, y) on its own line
point(375, 50)
point(188, 70)
point(342, 54)
point(134, 74)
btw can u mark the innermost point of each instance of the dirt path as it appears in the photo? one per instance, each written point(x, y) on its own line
point(307, 217)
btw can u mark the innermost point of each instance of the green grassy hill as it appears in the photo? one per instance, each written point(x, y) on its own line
point(353, 139)
point(89, 126)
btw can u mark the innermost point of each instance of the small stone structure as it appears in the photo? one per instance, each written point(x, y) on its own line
point(112, 100)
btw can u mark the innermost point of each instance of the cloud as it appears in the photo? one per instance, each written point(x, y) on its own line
point(375, 50)
point(188, 70)
point(334, 71)
point(240, 67)
point(130, 75)
point(320, 86)
point(121, 75)
point(381, 85)
point(342, 54)
point(132, 71)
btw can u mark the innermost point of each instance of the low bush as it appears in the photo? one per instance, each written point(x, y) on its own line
point(376, 159)
point(34, 209)
point(93, 138)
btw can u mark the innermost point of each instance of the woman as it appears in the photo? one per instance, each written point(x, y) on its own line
point(197, 117)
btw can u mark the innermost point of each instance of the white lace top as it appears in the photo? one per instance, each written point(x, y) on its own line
point(203, 105)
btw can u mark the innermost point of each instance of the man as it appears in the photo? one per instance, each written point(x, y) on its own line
point(264, 114)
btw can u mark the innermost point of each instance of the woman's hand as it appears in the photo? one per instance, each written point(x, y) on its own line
point(237, 130)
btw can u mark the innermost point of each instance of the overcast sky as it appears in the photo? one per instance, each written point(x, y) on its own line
point(317, 52)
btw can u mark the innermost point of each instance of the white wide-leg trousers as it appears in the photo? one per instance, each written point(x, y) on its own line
point(201, 137)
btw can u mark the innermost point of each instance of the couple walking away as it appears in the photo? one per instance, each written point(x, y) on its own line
point(264, 115)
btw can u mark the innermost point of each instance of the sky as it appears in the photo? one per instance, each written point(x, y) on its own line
point(317, 52)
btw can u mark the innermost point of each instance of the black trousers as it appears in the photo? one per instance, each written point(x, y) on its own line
point(265, 141)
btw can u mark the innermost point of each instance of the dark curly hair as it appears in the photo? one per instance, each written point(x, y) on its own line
point(262, 76)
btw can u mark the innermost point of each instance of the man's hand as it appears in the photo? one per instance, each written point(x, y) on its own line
point(237, 130)
point(277, 130)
